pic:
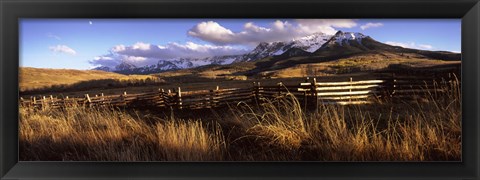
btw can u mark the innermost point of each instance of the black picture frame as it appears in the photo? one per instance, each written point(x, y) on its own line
point(11, 11)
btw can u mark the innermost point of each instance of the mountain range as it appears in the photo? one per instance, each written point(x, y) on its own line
point(319, 44)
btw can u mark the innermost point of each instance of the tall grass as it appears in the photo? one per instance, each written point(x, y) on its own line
point(425, 130)
point(428, 129)
point(113, 135)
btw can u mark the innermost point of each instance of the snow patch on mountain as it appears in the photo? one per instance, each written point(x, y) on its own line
point(341, 37)
point(312, 42)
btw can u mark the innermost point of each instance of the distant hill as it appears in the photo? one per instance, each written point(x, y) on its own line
point(36, 78)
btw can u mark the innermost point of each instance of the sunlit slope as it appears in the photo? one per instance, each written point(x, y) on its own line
point(35, 78)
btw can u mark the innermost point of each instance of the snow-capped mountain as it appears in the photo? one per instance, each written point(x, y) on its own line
point(265, 49)
point(344, 44)
point(300, 46)
point(172, 64)
point(347, 43)
point(308, 43)
point(341, 38)
point(124, 66)
point(311, 43)
point(184, 63)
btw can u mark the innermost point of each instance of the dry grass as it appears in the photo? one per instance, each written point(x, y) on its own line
point(355, 64)
point(40, 78)
point(422, 131)
point(80, 134)
point(277, 130)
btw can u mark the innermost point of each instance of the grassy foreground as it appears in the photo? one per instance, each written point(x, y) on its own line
point(279, 130)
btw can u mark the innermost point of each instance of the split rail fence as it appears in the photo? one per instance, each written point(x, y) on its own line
point(310, 93)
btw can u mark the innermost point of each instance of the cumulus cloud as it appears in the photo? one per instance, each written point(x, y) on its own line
point(62, 49)
point(411, 45)
point(326, 26)
point(175, 50)
point(211, 31)
point(142, 54)
point(370, 25)
point(252, 34)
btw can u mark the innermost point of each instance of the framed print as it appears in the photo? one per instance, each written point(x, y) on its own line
point(249, 89)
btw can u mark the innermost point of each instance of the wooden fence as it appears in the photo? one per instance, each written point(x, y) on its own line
point(311, 93)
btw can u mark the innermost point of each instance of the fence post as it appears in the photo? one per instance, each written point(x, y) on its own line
point(44, 103)
point(169, 99)
point(66, 101)
point(161, 96)
point(51, 102)
point(102, 99)
point(313, 89)
point(305, 98)
point(255, 93)
point(88, 100)
point(32, 102)
point(125, 98)
point(259, 91)
point(212, 97)
point(179, 98)
point(350, 97)
point(393, 85)
point(215, 97)
point(279, 88)
point(390, 86)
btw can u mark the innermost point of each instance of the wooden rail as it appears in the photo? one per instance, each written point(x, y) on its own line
point(311, 93)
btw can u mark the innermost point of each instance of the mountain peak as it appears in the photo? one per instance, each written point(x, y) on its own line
point(262, 44)
point(311, 42)
point(125, 66)
point(312, 36)
point(103, 68)
point(345, 37)
point(349, 35)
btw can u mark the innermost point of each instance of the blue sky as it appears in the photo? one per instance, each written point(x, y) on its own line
point(87, 43)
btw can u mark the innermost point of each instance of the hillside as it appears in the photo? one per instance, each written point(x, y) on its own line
point(37, 78)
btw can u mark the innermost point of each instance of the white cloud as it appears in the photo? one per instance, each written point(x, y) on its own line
point(62, 49)
point(370, 25)
point(142, 54)
point(175, 50)
point(211, 31)
point(425, 46)
point(325, 25)
point(411, 45)
point(252, 34)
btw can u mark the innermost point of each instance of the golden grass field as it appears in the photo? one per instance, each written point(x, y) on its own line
point(41, 78)
point(356, 64)
point(278, 130)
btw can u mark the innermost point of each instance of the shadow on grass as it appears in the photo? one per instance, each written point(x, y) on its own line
point(94, 84)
